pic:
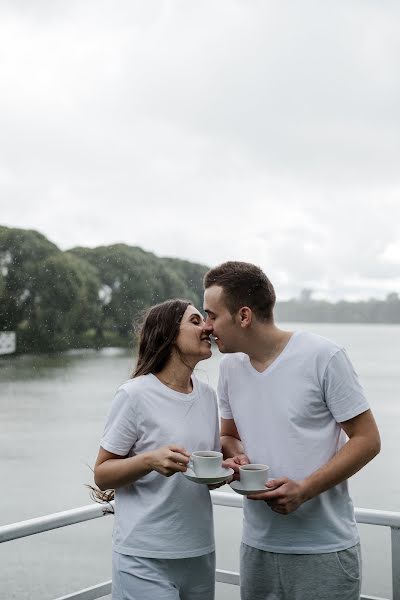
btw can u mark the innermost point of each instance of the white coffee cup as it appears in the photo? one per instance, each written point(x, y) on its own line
point(253, 476)
point(206, 463)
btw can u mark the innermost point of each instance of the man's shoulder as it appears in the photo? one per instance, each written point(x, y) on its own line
point(315, 344)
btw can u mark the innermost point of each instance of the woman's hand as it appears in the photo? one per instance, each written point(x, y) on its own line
point(168, 460)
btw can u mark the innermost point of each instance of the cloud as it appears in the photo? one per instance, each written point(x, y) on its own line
point(266, 132)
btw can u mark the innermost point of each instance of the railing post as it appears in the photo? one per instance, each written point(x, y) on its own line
point(395, 531)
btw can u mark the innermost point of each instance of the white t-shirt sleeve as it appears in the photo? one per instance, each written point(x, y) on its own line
point(120, 431)
point(223, 394)
point(343, 392)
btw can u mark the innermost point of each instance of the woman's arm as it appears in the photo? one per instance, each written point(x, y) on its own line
point(112, 471)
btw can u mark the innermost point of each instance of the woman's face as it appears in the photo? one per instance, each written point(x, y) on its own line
point(194, 336)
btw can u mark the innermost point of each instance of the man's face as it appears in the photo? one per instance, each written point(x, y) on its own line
point(225, 326)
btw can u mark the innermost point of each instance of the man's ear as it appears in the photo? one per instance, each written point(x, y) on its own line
point(245, 316)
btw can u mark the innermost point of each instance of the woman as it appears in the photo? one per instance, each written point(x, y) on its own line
point(163, 540)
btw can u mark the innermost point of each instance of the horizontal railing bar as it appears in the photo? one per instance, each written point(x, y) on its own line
point(385, 518)
point(54, 521)
point(221, 576)
point(94, 511)
point(229, 577)
point(103, 589)
point(363, 515)
point(92, 593)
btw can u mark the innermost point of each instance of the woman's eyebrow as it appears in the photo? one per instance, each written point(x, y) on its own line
point(195, 316)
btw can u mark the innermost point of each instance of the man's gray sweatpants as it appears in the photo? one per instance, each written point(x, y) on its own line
point(273, 576)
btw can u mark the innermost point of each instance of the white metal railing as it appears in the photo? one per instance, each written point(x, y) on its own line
point(94, 511)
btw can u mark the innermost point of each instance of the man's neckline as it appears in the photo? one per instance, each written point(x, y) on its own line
point(275, 361)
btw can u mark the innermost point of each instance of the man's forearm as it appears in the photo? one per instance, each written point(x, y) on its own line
point(354, 455)
point(231, 446)
point(363, 444)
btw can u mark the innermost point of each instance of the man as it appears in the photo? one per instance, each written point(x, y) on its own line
point(291, 400)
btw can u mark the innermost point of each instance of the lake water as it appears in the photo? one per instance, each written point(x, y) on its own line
point(52, 411)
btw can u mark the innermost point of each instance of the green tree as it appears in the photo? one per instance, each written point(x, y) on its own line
point(68, 304)
point(22, 253)
point(49, 297)
point(135, 279)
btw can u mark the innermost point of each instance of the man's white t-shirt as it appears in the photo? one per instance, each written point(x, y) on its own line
point(158, 516)
point(287, 417)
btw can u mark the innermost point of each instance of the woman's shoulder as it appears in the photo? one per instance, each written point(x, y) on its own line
point(134, 387)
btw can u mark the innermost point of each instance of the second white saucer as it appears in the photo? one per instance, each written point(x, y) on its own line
point(237, 487)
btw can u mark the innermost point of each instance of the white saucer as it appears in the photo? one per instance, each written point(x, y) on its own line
point(222, 475)
point(237, 487)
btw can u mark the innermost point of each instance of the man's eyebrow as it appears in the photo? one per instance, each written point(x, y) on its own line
point(209, 312)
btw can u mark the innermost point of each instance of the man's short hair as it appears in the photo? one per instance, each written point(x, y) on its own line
point(243, 284)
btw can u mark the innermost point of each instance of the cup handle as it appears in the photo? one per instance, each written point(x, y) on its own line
point(190, 464)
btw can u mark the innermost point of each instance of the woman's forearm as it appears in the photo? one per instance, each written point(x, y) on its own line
point(118, 472)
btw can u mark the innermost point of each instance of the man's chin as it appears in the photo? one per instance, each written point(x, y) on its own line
point(223, 349)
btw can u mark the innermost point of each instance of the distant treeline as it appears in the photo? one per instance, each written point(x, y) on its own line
point(321, 311)
point(85, 297)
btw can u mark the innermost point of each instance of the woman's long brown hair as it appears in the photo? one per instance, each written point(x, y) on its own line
point(157, 337)
point(158, 334)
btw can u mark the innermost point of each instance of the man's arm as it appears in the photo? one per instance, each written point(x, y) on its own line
point(232, 447)
point(363, 445)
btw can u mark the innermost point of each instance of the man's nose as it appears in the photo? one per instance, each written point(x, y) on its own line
point(207, 326)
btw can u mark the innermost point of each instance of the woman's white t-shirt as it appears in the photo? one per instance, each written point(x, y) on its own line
point(158, 516)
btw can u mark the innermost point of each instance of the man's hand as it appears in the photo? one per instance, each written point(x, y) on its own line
point(285, 496)
point(235, 462)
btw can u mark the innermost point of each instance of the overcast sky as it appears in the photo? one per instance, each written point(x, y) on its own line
point(212, 130)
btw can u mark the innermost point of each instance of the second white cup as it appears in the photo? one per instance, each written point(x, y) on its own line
point(253, 476)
